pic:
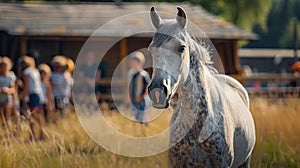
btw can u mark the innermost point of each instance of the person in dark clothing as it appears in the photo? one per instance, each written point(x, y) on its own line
point(87, 73)
point(139, 79)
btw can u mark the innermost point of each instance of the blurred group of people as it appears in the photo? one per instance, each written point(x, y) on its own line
point(41, 93)
point(36, 93)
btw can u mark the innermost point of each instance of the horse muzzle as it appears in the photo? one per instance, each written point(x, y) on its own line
point(159, 94)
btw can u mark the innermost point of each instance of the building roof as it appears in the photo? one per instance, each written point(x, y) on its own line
point(82, 19)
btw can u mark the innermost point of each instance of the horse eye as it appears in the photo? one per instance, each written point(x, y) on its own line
point(181, 49)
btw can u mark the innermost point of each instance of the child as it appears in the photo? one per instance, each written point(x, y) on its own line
point(15, 108)
point(59, 84)
point(7, 88)
point(138, 84)
point(48, 100)
point(68, 75)
point(32, 94)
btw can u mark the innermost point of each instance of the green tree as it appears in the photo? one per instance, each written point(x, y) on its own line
point(244, 13)
point(279, 32)
point(287, 39)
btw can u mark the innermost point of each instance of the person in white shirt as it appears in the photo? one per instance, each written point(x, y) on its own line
point(32, 94)
point(48, 100)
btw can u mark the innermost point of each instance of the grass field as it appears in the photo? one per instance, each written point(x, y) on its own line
point(67, 145)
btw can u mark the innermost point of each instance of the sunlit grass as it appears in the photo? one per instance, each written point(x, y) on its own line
point(126, 125)
point(67, 145)
point(278, 132)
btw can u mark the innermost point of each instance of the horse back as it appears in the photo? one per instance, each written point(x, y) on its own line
point(236, 85)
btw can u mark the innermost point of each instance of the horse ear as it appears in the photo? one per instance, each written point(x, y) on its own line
point(181, 18)
point(155, 18)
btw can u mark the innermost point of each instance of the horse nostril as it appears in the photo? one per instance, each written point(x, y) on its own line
point(158, 95)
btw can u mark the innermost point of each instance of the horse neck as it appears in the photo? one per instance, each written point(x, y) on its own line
point(193, 112)
point(193, 92)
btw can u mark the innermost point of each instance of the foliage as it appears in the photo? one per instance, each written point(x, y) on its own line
point(244, 13)
point(279, 25)
point(287, 39)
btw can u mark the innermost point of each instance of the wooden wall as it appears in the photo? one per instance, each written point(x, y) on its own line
point(3, 43)
point(45, 47)
point(227, 50)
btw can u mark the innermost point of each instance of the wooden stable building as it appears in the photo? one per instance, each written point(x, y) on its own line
point(44, 30)
point(47, 29)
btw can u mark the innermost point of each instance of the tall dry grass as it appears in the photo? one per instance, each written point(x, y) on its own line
point(67, 145)
point(278, 132)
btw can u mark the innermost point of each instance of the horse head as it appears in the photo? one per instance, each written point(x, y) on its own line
point(171, 57)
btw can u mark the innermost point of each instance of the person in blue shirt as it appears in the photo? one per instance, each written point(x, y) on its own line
point(7, 88)
point(60, 84)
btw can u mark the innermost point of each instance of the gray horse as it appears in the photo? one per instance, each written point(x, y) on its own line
point(211, 125)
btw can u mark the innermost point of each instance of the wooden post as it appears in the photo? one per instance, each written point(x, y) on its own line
point(123, 54)
point(238, 68)
point(295, 40)
point(3, 44)
point(23, 46)
point(60, 47)
point(14, 49)
point(1, 47)
point(236, 57)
